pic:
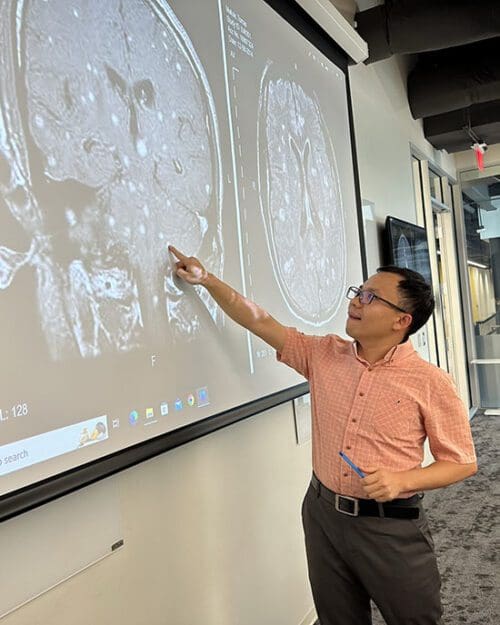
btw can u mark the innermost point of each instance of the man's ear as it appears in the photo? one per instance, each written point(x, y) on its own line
point(404, 321)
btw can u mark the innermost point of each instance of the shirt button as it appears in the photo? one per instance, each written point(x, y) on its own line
point(361, 394)
point(346, 474)
point(348, 447)
point(370, 368)
point(354, 421)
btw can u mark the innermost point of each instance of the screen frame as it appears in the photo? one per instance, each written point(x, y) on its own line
point(38, 493)
point(391, 221)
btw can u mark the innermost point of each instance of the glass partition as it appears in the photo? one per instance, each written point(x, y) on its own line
point(481, 226)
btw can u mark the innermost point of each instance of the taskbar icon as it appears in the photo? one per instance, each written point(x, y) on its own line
point(202, 397)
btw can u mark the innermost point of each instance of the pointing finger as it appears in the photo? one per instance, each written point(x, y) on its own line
point(177, 253)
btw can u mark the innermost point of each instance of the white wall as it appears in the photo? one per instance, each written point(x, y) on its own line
point(212, 535)
point(384, 131)
point(212, 529)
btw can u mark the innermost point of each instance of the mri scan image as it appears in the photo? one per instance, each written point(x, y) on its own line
point(301, 202)
point(404, 255)
point(109, 150)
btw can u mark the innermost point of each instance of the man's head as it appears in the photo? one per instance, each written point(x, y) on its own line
point(402, 304)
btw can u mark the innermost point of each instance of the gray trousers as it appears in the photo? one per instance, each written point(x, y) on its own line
point(354, 559)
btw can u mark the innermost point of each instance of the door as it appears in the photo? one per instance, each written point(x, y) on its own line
point(435, 210)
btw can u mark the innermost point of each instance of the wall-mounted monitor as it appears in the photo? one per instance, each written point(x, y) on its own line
point(406, 246)
point(128, 125)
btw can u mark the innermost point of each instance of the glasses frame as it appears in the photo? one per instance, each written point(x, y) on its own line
point(362, 294)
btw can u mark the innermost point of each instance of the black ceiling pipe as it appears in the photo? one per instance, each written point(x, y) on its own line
point(494, 190)
point(408, 26)
point(454, 79)
point(448, 130)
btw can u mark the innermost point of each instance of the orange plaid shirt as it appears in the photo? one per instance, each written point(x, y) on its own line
point(379, 414)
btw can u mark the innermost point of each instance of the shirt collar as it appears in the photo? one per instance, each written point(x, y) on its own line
point(395, 354)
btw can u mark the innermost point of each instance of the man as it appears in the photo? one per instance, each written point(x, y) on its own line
point(376, 400)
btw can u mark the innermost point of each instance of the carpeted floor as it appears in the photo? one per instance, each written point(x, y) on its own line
point(465, 525)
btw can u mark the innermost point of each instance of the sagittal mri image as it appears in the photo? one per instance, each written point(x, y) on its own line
point(109, 150)
point(300, 197)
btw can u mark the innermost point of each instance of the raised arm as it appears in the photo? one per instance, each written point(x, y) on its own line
point(241, 310)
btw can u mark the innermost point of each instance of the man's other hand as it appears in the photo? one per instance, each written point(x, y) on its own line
point(381, 485)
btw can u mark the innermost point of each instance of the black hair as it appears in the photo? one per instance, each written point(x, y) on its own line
point(415, 296)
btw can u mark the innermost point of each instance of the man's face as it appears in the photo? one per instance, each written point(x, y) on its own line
point(377, 320)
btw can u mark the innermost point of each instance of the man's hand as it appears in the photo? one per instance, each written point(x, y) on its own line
point(239, 308)
point(189, 268)
point(382, 485)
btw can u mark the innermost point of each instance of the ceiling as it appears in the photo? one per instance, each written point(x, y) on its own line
point(454, 47)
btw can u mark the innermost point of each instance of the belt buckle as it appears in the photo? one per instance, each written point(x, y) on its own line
point(338, 499)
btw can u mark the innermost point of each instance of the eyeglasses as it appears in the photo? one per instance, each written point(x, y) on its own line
point(367, 297)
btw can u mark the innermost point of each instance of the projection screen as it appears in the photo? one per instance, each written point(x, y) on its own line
point(126, 126)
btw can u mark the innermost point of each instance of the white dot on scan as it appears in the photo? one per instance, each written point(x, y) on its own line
point(70, 217)
point(111, 221)
point(75, 13)
point(131, 187)
point(142, 150)
point(161, 236)
point(178, 68)
point(114, 119)
point(39, 121)
point(160, 116)
point(142, 229)
point(51, 161)
point(91, 96)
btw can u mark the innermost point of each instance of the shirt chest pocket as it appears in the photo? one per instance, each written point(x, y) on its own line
point(395, 416)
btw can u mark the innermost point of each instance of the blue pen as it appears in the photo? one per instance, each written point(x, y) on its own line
point(351, 464)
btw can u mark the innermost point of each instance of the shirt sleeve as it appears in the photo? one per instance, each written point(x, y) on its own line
point(447, 422)
point(298, 351)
